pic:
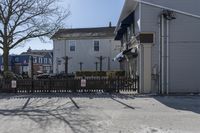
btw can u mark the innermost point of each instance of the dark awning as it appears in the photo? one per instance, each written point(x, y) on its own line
point(120, 33)
point(128, 20)
point(123, 26)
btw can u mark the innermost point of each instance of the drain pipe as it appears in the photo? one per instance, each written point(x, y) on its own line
point(167, 45)
point(159, 42)
point(162, 54)
point(166, 17)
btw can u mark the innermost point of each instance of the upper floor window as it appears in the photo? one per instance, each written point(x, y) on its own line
point(125, 39)
point(50, 61)
point(72, 45)
point(40, 60)
point(96, 45)
point(132, 29)
point(128, 33)
point(45, 60)
point(34, 59)
point(17, 59)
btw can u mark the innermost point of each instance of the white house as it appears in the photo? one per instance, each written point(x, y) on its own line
point(161, 43)
point(86, 49)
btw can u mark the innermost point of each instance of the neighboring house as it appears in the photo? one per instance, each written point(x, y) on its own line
point(19, 64)
point(42, 60)
point(88, 49)
point(10, 64)
point(160, 44)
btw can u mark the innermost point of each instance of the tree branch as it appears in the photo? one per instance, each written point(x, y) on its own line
point(26, 19)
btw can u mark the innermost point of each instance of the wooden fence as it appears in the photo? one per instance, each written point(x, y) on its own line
point(71, 85)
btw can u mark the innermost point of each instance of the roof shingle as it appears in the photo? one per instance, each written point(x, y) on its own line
point(85, 32)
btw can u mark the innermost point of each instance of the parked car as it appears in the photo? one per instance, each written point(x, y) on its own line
point(61, 76)
point(10, 75)
point(17, 76)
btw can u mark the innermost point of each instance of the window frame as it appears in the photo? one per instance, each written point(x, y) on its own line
point(72, 45)
point(40, 60)
point(17, 59)
point(96, 46)
point(45, 60)
point(35, 60)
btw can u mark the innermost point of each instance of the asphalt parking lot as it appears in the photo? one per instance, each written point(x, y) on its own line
point(98, 113)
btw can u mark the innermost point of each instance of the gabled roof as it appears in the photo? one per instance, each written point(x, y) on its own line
point(184, 8)
point(40, 53)
point(84, 33)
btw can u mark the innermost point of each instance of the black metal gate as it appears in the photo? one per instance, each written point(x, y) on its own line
point(72, 85)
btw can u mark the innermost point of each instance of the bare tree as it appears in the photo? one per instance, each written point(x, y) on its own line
point(21, 20)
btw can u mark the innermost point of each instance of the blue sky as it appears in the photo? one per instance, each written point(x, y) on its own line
point(84, 13)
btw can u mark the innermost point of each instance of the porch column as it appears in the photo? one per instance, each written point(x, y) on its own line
point(145, 66)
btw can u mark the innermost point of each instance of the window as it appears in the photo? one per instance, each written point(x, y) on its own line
point(45, 60)
point(34, 59)
point(96, 45)
point(50, 61)
point(40, 60)
point(125, 37)
point(17, 59)
point(72, 44)
point(128, 33)
point(132, 30)
point(25, 68)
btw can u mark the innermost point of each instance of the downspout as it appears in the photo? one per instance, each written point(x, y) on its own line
point(162, 55)
point(167, 45)
point(141, 82)
point(165, 51)
point(159, 42)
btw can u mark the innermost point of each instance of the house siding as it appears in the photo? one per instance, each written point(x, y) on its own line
point(184, 44)
point(84, 52)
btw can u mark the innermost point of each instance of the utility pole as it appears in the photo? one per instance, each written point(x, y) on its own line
point(66, 58)
point(32, 67)
point(108, 63)
point(101, 58)
point(57, 62)
point(81, 66)
point(32, 84)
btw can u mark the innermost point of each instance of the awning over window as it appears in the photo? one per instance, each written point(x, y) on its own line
point(124, 24)
point(128, 20)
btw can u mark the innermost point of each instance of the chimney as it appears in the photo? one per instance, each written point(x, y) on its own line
point(29, 49)
point(110, 24)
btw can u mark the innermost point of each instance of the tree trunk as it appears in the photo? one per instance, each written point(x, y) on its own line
point(5, 59)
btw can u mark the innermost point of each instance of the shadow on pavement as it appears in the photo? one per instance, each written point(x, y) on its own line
point(67, 95)
point(126, 105)
point(45, 113)
point(185, 103)
point(44, 109)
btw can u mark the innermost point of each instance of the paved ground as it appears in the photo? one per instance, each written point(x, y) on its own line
point(88, 113)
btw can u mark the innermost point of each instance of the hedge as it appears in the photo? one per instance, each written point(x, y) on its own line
point(100, 73)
